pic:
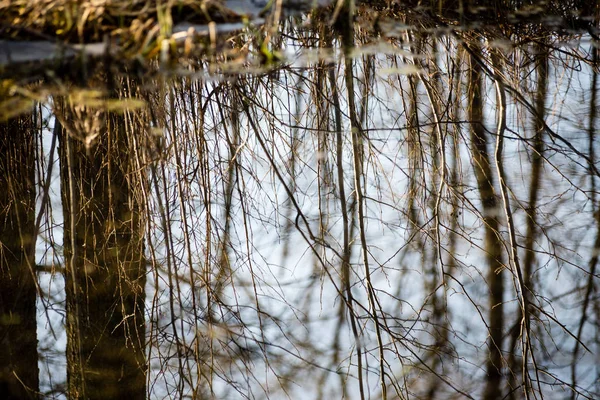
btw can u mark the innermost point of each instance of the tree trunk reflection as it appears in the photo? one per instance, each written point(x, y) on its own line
point(18, 339)
point(104, 256)
point(492, 243)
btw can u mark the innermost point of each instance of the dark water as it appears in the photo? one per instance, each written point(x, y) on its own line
point(393, 208)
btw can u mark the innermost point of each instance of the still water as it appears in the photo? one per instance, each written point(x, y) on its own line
point(396, 207)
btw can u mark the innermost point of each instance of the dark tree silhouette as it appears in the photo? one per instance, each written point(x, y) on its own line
point(18, 337)
point(104, 255)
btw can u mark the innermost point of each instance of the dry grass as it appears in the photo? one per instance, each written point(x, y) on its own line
point(122, 21)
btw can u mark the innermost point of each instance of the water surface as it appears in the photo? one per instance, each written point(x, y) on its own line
point(397, 207)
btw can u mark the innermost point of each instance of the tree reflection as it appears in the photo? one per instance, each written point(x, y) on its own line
point(410, 214)
point(18, 337)
point(105, 267)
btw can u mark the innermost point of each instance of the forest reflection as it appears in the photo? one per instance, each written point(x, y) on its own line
point(408, 216)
